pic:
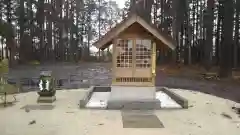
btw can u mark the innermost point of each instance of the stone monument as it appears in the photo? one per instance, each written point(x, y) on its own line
point(47, 87)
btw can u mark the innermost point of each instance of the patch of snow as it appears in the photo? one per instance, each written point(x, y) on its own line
point(166, 101)
point(98, 100)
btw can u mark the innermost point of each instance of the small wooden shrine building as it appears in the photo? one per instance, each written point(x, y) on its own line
point(134, 43)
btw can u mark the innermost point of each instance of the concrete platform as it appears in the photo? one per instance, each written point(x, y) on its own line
point(99, 100)
point(153, 104)
point(132, 93)
point(133, 98)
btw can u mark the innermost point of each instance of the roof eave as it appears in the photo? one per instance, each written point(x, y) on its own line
point(109, 37)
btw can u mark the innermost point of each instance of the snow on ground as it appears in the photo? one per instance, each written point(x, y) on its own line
point(166, 101)
point(98, 100)
point(204, 117)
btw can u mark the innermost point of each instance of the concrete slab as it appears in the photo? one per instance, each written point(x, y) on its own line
point(133, 98)
point(142, 119)
point(132, 93)
point(176, 97)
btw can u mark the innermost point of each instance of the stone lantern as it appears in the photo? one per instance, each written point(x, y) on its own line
point(47, 89)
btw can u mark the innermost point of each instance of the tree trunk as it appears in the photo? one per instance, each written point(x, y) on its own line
point(236, 37)
point(50, 37)
point(217, 41)
point(226, 47)
point(132, 5)
point(148, 9)
point(21, 23)
point(40, 18)
point(60, 45)
point(72, 40)
point(209, 43)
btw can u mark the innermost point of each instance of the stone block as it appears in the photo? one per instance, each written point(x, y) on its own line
point(44, 99)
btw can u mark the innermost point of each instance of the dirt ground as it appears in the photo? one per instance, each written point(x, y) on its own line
point(87, 74)
point(189, 78)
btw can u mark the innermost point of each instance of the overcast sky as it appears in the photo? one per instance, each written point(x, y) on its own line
point(120, 3)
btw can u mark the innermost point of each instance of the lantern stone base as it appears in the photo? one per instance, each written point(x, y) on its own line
point(45, 99)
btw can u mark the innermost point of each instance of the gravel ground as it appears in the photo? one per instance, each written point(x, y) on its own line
point(208, 115)
point(87, 74)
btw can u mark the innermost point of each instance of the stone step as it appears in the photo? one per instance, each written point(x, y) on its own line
point(134, 105)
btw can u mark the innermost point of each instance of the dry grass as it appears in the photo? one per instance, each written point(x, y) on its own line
point(236, 76)
point(180, 70)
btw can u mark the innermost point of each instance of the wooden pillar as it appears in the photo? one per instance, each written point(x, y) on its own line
point(114, 60)
point(153, 63)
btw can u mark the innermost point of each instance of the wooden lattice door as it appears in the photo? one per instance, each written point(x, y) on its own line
point(133, 60)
